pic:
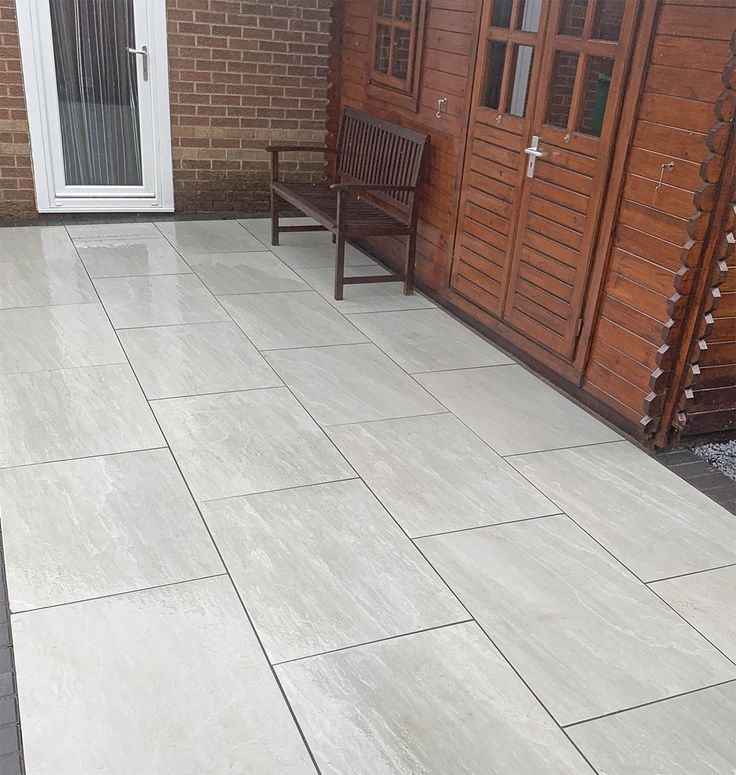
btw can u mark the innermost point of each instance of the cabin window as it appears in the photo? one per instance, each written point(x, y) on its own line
point(398, 37)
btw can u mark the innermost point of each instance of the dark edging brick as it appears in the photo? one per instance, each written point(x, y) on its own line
point(701, 475)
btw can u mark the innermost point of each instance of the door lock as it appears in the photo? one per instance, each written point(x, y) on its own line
point(142, 52)
point(533, 153)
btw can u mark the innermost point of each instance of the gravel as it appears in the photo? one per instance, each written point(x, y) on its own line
point(721, 456)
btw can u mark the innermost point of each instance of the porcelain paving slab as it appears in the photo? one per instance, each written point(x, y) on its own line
point(38, 283)
point(587, 636)
point(514, 411)
point(276, 321)
point(130, 257)
point(708, 601)
point(241, 443)
point(370, 297)
point(99, 526)
point(191, 237)
point(351, 383)
point(57, 415)
point(168, 680)
point(136, 302)
point(325, 567)
point(690, 735)
point(21, 244)
point(657, 524)
point(256, 272)
point(202, 358)
point(57, 337)
point(432, 487)
point(435, 703)
point(113, 231)
point(428, 340)
point(261, 229)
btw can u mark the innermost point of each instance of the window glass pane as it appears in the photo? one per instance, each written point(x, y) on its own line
point(386, 8)
point(400, 67)
point(607, 20)
point(383, 47)
point(405, 10)
point(501, 13)
point(529, 15)
point(561, 87)
point(495, 57)
point(572, 19)
point(598, 72)
point(522, 68)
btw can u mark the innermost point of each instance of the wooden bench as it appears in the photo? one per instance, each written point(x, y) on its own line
point(379, 168)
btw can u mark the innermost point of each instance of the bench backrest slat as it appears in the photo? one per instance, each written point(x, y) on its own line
point(373, 151)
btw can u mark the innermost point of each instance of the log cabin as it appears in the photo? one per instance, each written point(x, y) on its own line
point(579, 205)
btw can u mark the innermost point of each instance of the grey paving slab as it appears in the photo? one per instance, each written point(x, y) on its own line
point(169, 680)
point(325, 567)
point(57, 415)
point(428, 340)
point(40, 282)
point(351, 383)
point(57, 337)
point(21, 244)
point(192, 237)
point(587, 636)
point(368, 297)
point(657, 524)
point(113, 231)
point(201, 358)
point(435, 475)
point(275, 321)
point(690, 735)
point(241, 443)
point(99, 526)
point(129, 257)
point(255, 272)
point(708, 601)
point(514, 411)
point(261, 229)
point(435, 703)
point(135, 302)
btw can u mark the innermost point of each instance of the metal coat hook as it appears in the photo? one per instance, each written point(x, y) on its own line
point(668, 166)
point(441, 103)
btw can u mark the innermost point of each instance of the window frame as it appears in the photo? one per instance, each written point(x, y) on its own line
point(401, 92)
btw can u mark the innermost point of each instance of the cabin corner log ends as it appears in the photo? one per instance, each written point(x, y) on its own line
point(379, 168)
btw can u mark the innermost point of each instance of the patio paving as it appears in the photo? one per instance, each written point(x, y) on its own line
point(250, 529)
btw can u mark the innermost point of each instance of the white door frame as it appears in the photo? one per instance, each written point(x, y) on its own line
point(39, 79)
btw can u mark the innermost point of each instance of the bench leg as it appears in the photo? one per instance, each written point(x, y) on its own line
point(411, 254)
point(339, 267)
point(274, 218)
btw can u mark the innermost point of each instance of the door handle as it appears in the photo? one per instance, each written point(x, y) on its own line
point(533, 153)
point(142, 52)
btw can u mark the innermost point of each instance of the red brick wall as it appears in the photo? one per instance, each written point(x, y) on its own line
point(16, 179)
point(242, 73)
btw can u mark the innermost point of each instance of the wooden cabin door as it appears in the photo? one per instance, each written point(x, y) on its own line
point(536, 173)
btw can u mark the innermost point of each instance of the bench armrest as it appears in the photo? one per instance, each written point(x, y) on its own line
point(369, 187)
point(280, 148)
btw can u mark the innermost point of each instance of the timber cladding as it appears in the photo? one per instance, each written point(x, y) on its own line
point(242, 73)
point(599, 305)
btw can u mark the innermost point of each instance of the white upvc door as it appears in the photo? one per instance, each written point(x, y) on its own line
point(96, 81)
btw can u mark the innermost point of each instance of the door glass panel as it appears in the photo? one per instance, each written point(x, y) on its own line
point(97, 85)
point(529, 15)
point(523, 56)
point(572, 19)
point(562, 83)
point(501, 13)
point(383, 48)
point(607, 20)
point(598, 72)
point(400, 66)
point(386, 8)
point(495, 58)
point(405, 10)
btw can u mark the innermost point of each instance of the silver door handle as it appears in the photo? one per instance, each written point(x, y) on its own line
point(533, 153)
point(143, 53)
